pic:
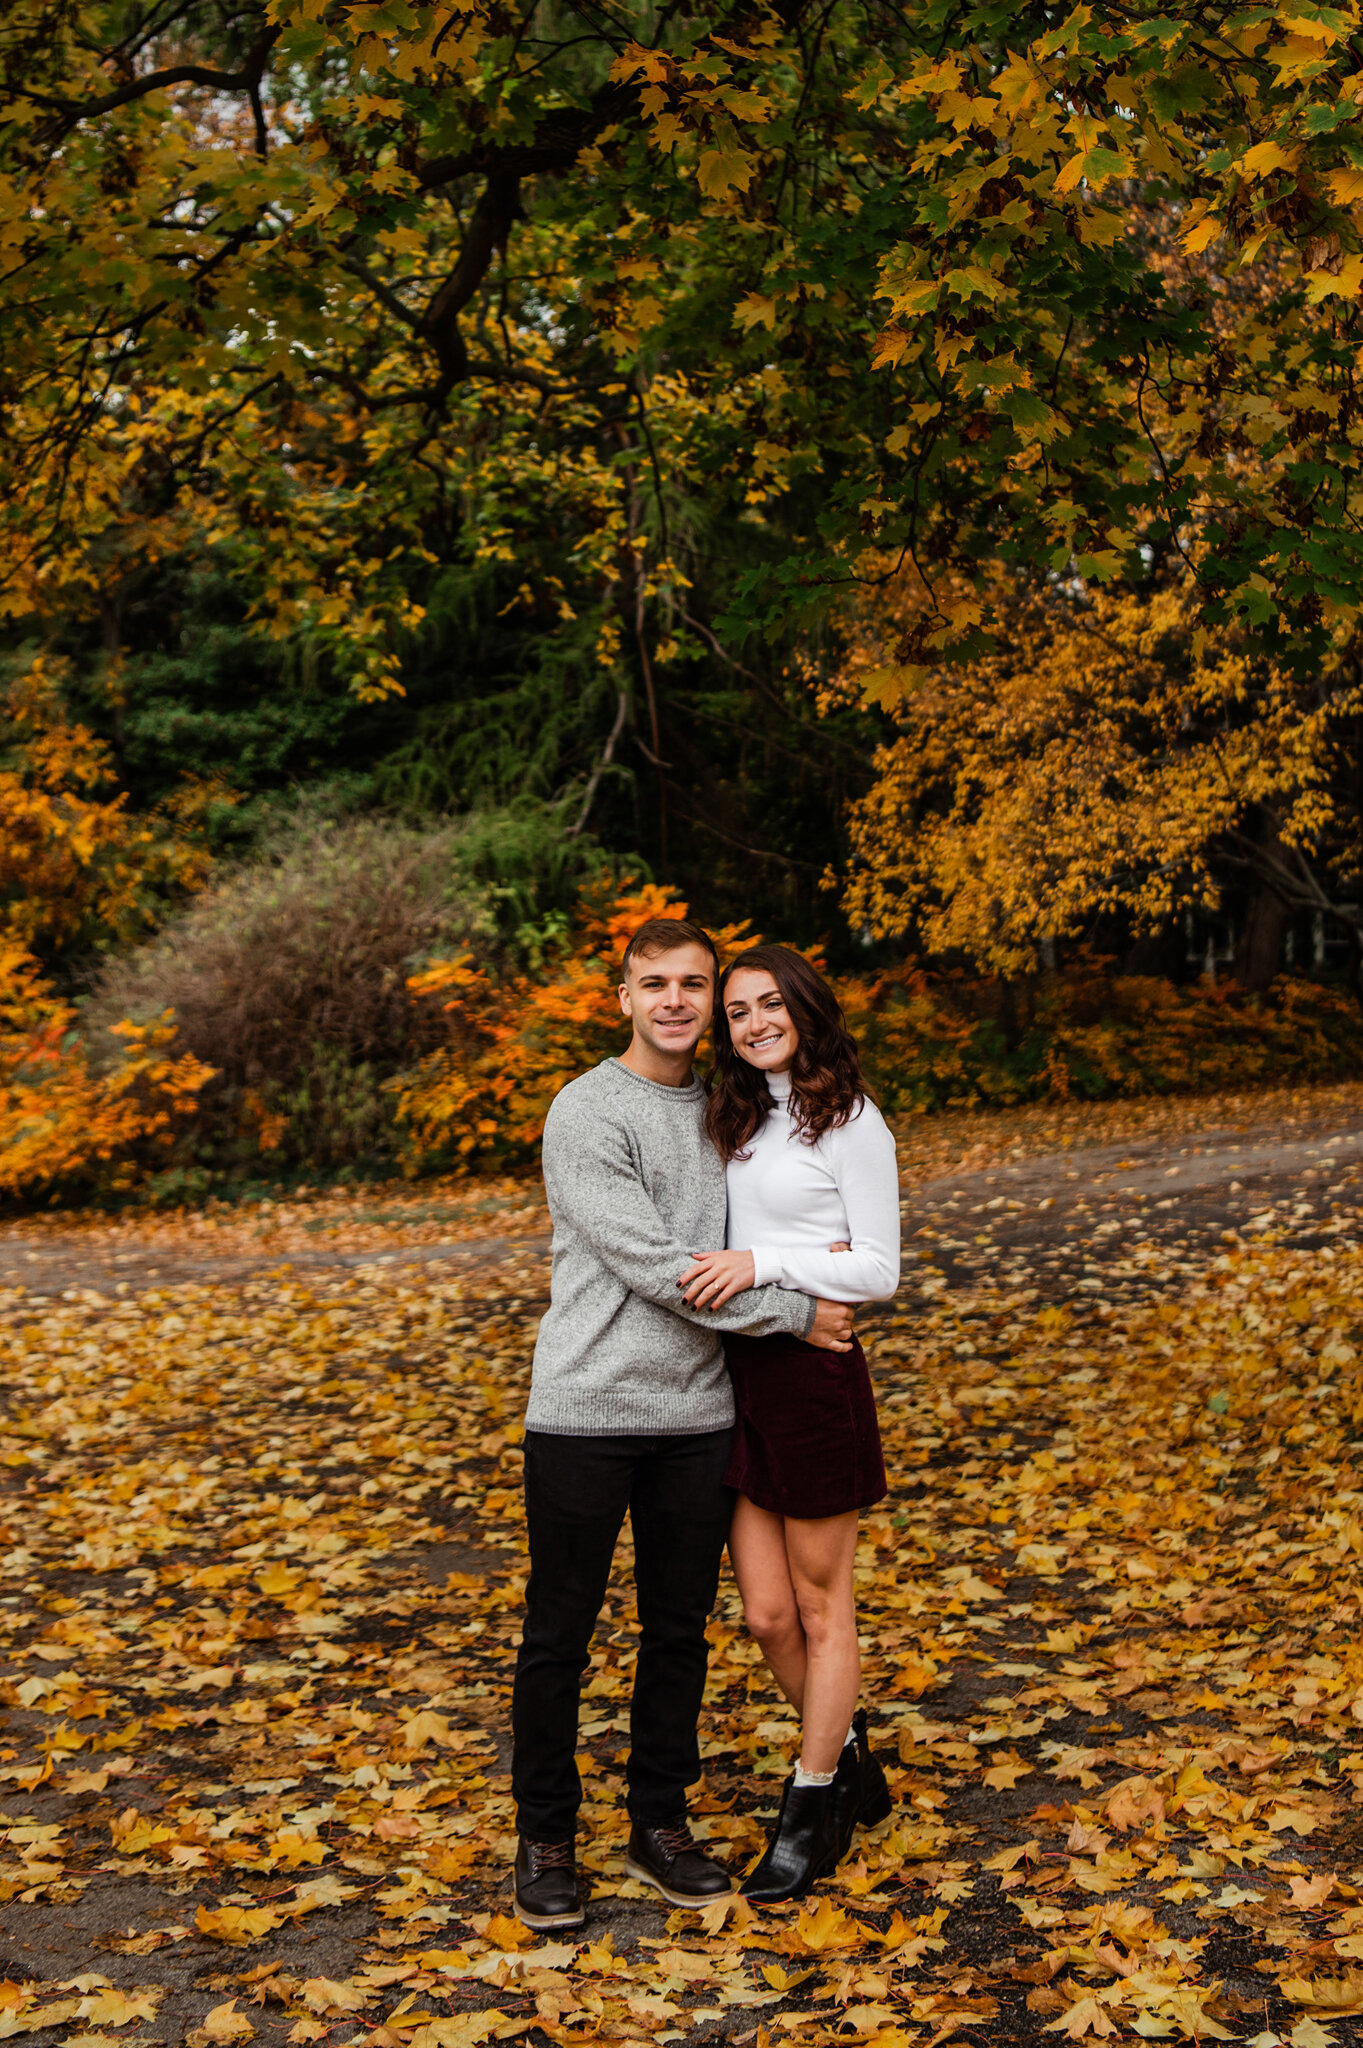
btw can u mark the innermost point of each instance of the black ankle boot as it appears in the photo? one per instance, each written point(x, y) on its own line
point(802, 1847)
point(861, 1797)
point(876, 1803)
point(547, 1893)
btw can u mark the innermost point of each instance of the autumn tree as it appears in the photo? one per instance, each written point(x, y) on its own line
point(689, 323)
point(354, 259)
point(1110, 759)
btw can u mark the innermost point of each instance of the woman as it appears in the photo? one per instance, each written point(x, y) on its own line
point(813, 1205)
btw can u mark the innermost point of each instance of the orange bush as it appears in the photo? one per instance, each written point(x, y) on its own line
point(75, 864)
point(507, 1044)
point(61, 1121)
point(928, 1042)
point(482, 1098)
point(77, 869)
point(936, 1042)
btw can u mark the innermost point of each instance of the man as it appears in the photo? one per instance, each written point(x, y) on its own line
point(630, 1411)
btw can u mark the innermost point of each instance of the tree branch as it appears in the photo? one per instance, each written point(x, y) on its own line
point(67, 114)
point(497, 208)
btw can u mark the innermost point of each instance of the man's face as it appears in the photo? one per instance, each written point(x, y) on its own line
point(669, 998)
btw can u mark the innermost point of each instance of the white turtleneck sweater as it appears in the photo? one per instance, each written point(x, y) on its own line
point(789, 1201)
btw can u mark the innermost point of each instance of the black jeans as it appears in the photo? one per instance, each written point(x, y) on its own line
point(577, 1492)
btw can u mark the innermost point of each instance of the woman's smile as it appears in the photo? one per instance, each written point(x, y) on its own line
point(760, 1025)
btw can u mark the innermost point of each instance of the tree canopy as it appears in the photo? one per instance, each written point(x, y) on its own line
point(336, 262)
point(681, 327)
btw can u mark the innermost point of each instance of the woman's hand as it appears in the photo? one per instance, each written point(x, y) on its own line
point(716, 1277)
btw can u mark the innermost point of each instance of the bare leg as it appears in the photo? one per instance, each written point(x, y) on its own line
point(757, 1549)
point(798, 1601)
point(820, 1556)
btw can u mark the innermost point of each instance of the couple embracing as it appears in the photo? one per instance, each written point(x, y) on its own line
point(715, 1395)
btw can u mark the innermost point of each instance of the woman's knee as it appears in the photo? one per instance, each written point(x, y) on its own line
point(771, 1621)
point(826, 1613)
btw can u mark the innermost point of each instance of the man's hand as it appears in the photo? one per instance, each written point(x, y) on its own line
point(831, 1329)
point(716, 1277)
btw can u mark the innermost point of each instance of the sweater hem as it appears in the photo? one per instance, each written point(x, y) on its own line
point(640, 1429)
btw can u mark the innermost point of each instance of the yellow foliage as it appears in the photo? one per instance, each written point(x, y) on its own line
point(1089, 764)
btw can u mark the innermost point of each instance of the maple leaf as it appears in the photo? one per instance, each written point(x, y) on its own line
point(223, 2024)
point(325, 1996)
point(238, 1925)
point(512, 1934)
point(1086, 2016)
point(426, 1727)
point(1313, 1891)
point(823, 1929)
point(721, 170)
point(468, 2030)
point(781, 1979)
point(1003, 1776)
point(1327, 1995)
point(451, 1861)
point(755, 311)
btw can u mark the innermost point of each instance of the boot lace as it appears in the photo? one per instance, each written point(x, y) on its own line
point(551, 1856)
point(674, 1841)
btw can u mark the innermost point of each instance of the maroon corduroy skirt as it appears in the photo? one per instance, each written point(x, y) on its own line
point(806, 1439)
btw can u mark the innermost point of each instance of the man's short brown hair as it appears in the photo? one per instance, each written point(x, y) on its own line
point(665, 935)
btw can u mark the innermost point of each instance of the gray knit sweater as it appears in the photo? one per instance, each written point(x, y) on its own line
point(634, 1188)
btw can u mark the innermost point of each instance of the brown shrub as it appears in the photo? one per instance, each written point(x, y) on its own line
point(295, 968)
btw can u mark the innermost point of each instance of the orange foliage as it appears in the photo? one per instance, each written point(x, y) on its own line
point(938, 1042)
point(60, 1119)
point(478, 1102)
point(76, 866)
point(482, 1098)
point(928, 1042)
point(74, 863)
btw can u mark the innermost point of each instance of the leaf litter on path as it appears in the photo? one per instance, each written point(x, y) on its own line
point(262, 1579)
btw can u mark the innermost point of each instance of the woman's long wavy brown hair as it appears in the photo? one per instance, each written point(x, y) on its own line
point(826, 1084)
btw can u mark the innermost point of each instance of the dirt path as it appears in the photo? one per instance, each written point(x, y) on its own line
point(57, 1264)
point(1103, 1220)
point(1045, 1219)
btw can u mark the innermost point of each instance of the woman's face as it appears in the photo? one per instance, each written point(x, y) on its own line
point(760, 1025)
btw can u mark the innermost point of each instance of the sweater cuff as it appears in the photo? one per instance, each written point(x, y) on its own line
point(766, 1268)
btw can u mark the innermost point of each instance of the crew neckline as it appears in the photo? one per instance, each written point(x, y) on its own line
point(684, 1092)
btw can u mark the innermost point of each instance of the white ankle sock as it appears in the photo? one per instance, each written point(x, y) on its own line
point(851, 1741)
point(804, 1777)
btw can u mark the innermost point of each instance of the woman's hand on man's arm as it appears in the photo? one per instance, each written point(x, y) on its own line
point(713, 1278)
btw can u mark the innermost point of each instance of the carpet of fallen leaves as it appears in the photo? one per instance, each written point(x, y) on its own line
point(262, 1570)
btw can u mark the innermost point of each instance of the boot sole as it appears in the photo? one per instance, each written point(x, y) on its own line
point(785, 1898)
point(538, 1920)
point(695, 1900)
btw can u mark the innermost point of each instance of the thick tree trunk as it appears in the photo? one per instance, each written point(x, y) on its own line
point(1259, 951)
